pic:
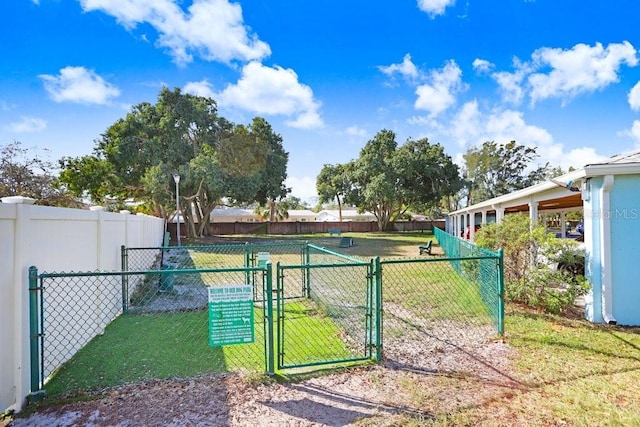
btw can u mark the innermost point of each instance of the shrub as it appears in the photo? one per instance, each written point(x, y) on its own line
point(531, 260)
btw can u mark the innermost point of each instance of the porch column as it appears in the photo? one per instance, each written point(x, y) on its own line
point(563, 225)
point(483, 221)
point(499, 214)
point(472, 225)
point(533, 213)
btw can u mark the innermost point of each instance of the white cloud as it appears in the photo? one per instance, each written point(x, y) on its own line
point(273, 91)
point(511, 86)
point(355, 131)
point(634, 97)
point(306, 120)
point(212, 29)
point(438, 95)
point(406, 69)
point(564, 74)
point(482, 65)
point(303, 188)
point(202, 88)
point(634, 133)
point(466, 123)
point(79, 85)
point(511, 83)
point(28, 125)
point(473, 127)
point(578, 70)
point(510, 125)
point(435, 7)
point(579, 157)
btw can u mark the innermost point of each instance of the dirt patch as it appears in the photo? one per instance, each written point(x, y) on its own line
point(421, 378)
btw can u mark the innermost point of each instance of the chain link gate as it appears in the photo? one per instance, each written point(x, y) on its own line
point(334, 322)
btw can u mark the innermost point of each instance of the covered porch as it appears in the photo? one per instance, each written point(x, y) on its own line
point(608, 194)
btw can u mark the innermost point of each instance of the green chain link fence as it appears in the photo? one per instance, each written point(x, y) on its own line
point(434, 318)
point(106, 328)
point(221, 256)
point(311, 306)
point(480, 266)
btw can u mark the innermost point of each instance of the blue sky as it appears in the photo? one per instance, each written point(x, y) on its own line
point(562, 76)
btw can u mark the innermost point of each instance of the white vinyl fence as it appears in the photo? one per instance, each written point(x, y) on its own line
point(53, 240)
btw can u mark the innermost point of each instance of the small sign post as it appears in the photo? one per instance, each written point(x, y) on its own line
point(231, 315)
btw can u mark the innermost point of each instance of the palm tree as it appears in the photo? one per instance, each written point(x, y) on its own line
point(273, 212)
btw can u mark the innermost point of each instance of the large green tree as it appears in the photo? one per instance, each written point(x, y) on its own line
point(494, 169)
point(427, 175)
point(274, 173)
point(387, 180)
point(137, 157)
point(333, 183)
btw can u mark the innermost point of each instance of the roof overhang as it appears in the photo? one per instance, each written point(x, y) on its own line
point(548, 195)
point(551, 196)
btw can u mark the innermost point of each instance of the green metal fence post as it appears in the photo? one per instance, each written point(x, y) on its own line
point(247, 264)
point(34, 336)
point(124, 278)
point(370, 309)
point(306, 292)
point(269, 298)
point(378, 308)
point(279, 349)
point(501, 291)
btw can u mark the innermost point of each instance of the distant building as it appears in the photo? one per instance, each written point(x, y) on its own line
point(301, 215)
point(347, 215)
point(225, 214)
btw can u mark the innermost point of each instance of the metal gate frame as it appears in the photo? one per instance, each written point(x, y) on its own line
point(371, 317)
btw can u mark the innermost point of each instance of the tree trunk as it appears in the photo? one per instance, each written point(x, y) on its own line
point(272, 210)
point(206, 219)
point(189, 222)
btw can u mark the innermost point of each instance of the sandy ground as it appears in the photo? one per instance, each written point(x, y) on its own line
point(421, 377)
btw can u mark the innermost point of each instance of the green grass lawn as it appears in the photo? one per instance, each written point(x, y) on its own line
point(574, 371)
point(175, 345)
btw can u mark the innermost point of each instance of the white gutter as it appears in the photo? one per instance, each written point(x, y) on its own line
point(611, 169)
point(605, 250)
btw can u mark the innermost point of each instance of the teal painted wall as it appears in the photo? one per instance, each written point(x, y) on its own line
point(625, 248)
